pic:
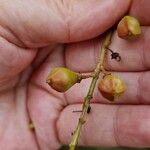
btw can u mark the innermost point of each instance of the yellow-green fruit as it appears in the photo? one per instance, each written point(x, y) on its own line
point(111, 87)
point(61, 79)
point(128, 28)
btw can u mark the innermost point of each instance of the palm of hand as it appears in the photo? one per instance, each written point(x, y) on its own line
point(25, 95)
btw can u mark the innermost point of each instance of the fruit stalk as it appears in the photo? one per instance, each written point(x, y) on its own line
point(99, 68)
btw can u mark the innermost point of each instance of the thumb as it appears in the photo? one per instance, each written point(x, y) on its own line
point(39, 23)
point(89, 18)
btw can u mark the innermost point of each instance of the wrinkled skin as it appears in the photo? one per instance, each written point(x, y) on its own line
point(30, 31)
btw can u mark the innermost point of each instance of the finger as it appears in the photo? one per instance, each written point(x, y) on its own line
point(134, 54)
point(137, 90)
point(87, 18)
point(108, 126)
point(44, 110)
point(13, 60)
point(140, 9)
point(59, 21)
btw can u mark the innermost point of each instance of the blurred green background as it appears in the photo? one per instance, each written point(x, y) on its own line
point(92, 148)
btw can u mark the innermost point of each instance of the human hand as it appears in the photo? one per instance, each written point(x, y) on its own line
point(30, 32)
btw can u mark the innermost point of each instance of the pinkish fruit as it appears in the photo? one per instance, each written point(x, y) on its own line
point(111, 87)
point(61, 79)
point(128, 28)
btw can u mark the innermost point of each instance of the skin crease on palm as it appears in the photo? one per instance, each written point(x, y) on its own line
point(30, 31)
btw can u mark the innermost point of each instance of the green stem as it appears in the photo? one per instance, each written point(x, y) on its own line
point(87, 99)
point(82, 76)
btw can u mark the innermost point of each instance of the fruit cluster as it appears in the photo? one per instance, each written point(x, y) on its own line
point(111, 86)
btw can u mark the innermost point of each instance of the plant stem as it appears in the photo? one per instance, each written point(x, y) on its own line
point(99, 68)
point(82, 76)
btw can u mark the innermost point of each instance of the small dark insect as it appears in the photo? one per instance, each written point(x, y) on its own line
point(89, 109)
point(115, 55)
